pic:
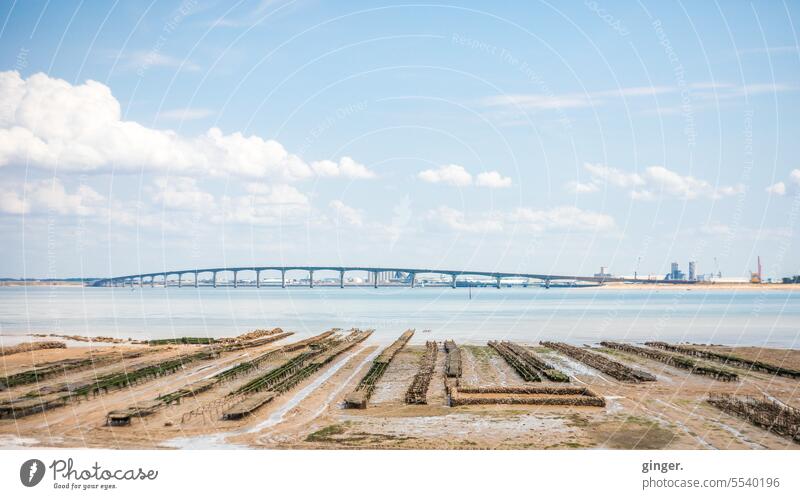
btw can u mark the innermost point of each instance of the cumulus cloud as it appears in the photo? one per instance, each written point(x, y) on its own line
point(613, 176)
point(347, 167)
point(47, 122)
point(456, 220)
point(50, 196)
point(265, 205)
point(346, 215)
point(791, 185)
point(582, 188)
point(778, 188)
point(458, 176)
point(562, 218)
point(492, 180)
point(655, 181)
point(180, 193)
point(668, 182)
point(455, 175)
point(557, 219)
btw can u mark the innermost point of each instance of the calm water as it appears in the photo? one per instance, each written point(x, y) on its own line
point(530, 314)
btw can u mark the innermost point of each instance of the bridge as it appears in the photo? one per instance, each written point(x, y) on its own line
point(373, 272)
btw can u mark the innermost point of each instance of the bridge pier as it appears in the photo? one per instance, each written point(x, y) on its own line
point(310, 278)
point(497, 282)
point(341, 279)
point(214, 279)
point(180, 278)
point(258, 278)
point(195, 279)
point(152, 281)
point(283, 278)
point(375, 278)
point(453, 285)
point(235, 279)
point(413, 277)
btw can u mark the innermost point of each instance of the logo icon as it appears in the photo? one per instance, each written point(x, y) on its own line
point(31, 472)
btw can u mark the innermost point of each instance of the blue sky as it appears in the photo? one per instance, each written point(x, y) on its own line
point(525, 137)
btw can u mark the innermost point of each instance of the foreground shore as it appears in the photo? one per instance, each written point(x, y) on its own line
point(669, 412)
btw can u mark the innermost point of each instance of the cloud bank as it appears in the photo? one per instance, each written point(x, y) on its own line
point(47, 122)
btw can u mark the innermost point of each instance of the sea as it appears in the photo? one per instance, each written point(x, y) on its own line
point(467, 315)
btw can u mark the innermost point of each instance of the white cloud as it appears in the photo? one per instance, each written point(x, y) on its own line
point(794, 176)
point(346, 215)
point(185, 114)
point(455, 175)
point(458, 176)
point(581, 188)
point(492, 180)
point(613, 176)
point(347, 167)
point(654, 181)
point(50, 196)
point(557, 219)
point(143, 60)
point(668, 182)
point(562, 218)
point(779, 189)
point(456, 220)
point(266, 205)
point(46, 122)
point(537, 102)
point(181, 193)
point(12, 203)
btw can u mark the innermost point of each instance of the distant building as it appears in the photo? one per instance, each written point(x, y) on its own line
point(675, 273)
point(692, 272)
point(603, 273)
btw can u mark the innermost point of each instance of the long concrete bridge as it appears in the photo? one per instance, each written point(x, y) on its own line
point(374, 272)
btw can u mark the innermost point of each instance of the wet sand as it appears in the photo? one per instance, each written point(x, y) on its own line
point(670, 413)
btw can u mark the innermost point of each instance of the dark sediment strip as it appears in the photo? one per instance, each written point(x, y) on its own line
point(48, 370)
point(418, 390)
point(764, 413)
point(31, 346)
point(281, 379)
point(603, 364)
point(452, 365)
point(359, 398)
point(676, 360)
point(528, 395)
point(727, 359)
point(48, 397)
point(528, 366)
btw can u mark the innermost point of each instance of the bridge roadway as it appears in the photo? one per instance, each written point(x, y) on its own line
point(373, 271)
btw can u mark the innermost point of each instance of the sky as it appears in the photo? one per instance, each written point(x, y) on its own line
point(518, 137)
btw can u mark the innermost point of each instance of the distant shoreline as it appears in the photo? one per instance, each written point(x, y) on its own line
point(700, 286)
